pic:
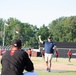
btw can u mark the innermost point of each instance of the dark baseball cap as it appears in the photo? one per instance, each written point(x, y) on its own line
point(17, 43)
point(50, 37)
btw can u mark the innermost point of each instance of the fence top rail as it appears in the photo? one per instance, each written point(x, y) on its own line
point(68, 48)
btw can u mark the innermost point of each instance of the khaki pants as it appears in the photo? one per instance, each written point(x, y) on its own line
point(48, 57)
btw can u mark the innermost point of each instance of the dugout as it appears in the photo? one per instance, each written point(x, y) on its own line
point(35, 52)
point(63, 48)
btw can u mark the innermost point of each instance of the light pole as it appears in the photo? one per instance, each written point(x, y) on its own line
point(4, 33)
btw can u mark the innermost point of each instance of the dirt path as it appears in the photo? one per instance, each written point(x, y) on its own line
point(61, 65)
point(56, 67)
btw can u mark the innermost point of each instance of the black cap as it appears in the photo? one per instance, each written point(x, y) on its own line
point(50, 37)
point(17, 43)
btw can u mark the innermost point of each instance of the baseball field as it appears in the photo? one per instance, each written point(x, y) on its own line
point(60, 67)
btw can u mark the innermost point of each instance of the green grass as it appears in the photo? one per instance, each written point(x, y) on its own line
point(61, 61)
point(57, 73)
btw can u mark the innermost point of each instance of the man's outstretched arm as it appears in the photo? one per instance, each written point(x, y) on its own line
point(40, 39)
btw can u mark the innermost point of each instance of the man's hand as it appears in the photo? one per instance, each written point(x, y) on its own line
point(39, 36)
point(40, 39)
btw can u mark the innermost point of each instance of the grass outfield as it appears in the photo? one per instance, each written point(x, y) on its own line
point(57, 73)
point(62, 67)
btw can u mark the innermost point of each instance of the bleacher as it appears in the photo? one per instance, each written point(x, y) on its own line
point(4, 48)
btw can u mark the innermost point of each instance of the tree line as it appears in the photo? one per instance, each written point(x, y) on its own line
point(62, 29)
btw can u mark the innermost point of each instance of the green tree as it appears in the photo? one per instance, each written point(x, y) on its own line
point(44, 32)
point(63, 29)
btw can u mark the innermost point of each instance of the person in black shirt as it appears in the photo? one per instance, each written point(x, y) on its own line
point(16, 60)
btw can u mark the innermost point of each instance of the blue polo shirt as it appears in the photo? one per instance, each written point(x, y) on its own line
point(49, 47)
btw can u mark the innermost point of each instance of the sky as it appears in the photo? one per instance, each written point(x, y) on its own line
point(37, 12)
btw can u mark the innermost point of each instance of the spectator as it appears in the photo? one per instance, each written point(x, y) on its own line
point(30, 52)
point(69, 55)
point(42, 53)
point(56, 54)
point(14, 61)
